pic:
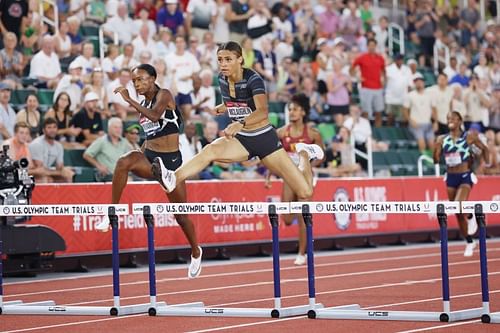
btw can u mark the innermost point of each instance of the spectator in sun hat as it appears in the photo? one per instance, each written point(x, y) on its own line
point(133, 136)
point(72, 84)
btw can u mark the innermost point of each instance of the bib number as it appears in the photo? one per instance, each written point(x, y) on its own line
point(453, 159)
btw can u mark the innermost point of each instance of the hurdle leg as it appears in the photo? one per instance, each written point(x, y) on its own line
point(445, 277)
point(274, 220)
point(481, 221)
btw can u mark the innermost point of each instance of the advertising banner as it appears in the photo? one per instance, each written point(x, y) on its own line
point(249, 226)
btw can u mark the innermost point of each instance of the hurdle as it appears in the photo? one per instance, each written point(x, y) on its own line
point(272, 210)
point(50, 307)
point(446, 315)
point(478, 209)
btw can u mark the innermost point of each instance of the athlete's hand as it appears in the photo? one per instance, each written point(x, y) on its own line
point(122, 91)
point(233, 129)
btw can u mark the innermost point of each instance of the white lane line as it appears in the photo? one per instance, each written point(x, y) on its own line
point(236, 262)
point(125, 284)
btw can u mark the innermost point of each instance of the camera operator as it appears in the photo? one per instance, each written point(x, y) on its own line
point(47, 155)
point(18, 144)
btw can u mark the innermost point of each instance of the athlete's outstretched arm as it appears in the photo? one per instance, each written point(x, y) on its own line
point(260, 115)
point(164, 101)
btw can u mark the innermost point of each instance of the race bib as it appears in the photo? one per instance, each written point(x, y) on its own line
point(453, 159)
point(238, 111)
point(149, 126)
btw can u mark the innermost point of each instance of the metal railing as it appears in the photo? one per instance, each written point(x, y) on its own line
point(368, 156)
point(441, 54)
point(102, 44)
point(55, 22)
point(420, 165)
point(400, 41)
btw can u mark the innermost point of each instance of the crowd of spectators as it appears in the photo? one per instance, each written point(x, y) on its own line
point(336, 51)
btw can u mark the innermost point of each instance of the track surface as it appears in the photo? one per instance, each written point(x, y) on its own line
point(389, 278)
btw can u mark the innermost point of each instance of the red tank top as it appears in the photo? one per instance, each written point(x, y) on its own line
point(289, 141)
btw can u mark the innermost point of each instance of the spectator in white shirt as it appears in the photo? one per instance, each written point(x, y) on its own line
point(204, 93)
point(442, 96)
point(45, 66)
point(183, 66)
point(200, 16)
point(72, 84)
point(208, 51)
point(126, 60)
point(87, 59)
point(164, 45)
point(399, 78)
point(144, 19)
point(120, 24)
point(108, 64)
point(120, 107)
point(144, 42)
point(360, 129)
point(418, 112)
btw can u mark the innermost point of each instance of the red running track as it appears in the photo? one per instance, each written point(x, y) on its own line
point(391, 278)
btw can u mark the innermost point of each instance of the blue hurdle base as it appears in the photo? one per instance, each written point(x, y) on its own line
point(359, 314)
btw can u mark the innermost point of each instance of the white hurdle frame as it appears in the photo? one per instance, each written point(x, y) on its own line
point(441, 209)
point(272, 210)
point(50, 307)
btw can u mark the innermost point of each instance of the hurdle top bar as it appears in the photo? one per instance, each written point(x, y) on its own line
point(63, 209)
point(326, 207)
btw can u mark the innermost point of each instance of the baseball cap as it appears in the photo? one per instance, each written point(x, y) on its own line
point(338, 40)
point(411, 61)
point(90, 96)
point(321, 41)
point(418, 76)
point(132, 127)
point(475, 127)
point(74, 65)
point(171, 2)
point(4, 86)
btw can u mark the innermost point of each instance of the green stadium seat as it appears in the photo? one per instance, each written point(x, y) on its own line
point(84, 175)
point(393, 161)
point(274, 119)
point(74, 157)
point(277, 107)
point(327, 132)
point(45, 96)
point(89, 31)
point(199, 129)
point(379, 162)
point(18, 96)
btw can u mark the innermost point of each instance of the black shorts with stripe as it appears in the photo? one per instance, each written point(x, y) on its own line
point(260, 143)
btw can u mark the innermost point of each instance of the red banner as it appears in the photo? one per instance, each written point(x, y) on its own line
point(80, 236)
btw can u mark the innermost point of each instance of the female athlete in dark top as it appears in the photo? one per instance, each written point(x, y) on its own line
point(456, 149)
point(249, 135)
point(161, 122)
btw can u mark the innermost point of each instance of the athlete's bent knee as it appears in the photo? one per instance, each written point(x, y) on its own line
point(305, 193)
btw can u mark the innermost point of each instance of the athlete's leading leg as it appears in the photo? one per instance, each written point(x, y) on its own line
point(221, 150)
point(134, 161)
point(287, 196)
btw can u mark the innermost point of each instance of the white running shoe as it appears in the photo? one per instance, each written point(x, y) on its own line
point(300, 260)
point(165, 177)
point(195, 266)
point(313, 150)
point(471, 225)
point(104, 225)
point(469, 249)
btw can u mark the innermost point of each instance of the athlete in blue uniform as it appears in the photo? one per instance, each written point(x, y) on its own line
point(161, 122)
point(250, 134)
point(456, 149)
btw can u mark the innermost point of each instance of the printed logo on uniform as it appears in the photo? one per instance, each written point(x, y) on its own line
point(342, 220)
